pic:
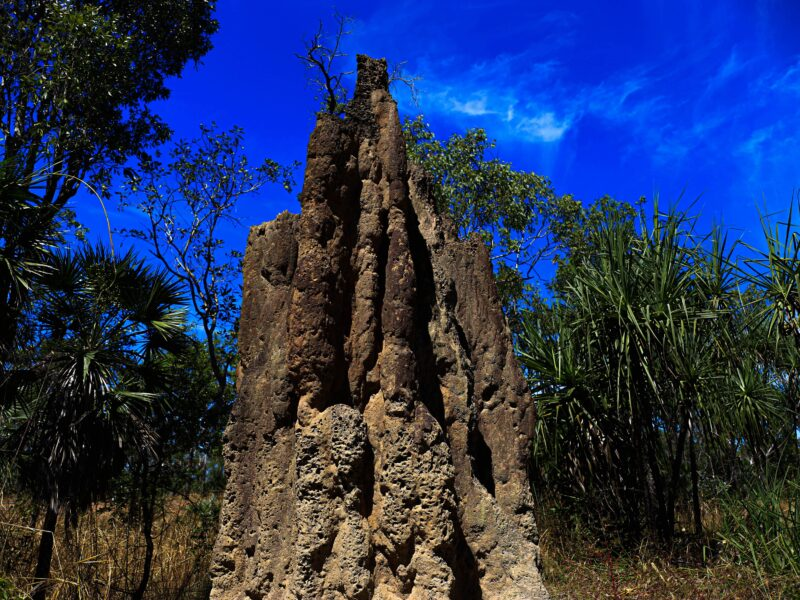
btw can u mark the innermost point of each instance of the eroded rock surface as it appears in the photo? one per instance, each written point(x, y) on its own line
point(378, 447)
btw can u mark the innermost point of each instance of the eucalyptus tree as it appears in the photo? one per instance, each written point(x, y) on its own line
point(190, 202)
point(511, 210)
point(102, 321)
point(78, 77)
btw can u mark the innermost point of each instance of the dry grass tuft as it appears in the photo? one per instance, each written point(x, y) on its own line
point(101, 557)
point(575, 570)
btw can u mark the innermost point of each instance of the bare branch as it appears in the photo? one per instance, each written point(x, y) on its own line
point(321, 57)
point(398, 75)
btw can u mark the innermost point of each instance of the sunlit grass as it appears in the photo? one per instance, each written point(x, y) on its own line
point(102, 556)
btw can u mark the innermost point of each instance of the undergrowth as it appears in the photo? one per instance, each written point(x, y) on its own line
point(749, 550)
point(101, 555)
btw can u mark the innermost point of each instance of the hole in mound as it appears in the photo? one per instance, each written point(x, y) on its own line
point(481, 456)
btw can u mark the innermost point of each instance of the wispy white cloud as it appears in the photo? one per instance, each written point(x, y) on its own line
point(684, 109)
point(534, 104)
point(789, 81)
point(474, 108)
point(733, 66)
point(527, 101)
point(616, 99)
point(502, 108)
point(754, 145)
point(545, 127)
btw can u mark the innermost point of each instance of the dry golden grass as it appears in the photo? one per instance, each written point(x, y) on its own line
point(102, 557)
point(578, 570)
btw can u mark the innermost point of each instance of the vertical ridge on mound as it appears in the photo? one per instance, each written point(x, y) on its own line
point(378, 448)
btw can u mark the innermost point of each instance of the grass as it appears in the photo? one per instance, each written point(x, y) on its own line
point(577, 568)
point(763, 529)
point(590, 572)
point(101, 558)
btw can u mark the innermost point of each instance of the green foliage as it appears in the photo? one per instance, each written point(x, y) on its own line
point(206, 516)
point(77, 78)
point(20, 214)
point(189, 201)
point(84, 393)
point(574, 231)
point(101, 320)
point(651, 366)
point(775, 273)
point(27, 231)
point(637, 366)
point(510, 210)
point(762, 527)
point(188, 422)
point(96, 375)
point(8, 591)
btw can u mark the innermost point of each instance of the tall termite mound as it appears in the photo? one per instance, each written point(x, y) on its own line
point(378, 447)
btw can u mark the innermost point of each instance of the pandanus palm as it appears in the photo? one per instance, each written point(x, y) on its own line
point(631, 365)
point(775, 271)
point(103, 319)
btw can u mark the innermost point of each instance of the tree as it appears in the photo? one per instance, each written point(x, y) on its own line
point(78, 77)
point(186, 458)
point(76, 81)
point(321, 57)
point(27, 232)
point(188, 202)
point(775, 272)
point(511, 210)
point(101, 322)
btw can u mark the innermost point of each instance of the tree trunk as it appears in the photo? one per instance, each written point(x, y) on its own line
point(42, 574)
point(661, 527)
point(642, 492)
point(698, 517)
point(148, 499)
point(147, 526)
point(677, 463)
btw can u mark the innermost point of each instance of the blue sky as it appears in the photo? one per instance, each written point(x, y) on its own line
point(626, 98)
